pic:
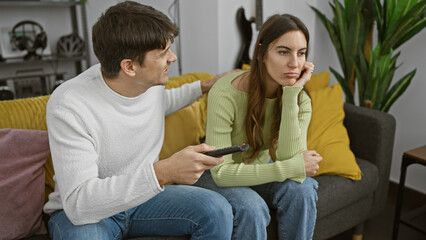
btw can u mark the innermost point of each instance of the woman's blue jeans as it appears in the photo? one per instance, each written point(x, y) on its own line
point(295, 204)
point(178, 210)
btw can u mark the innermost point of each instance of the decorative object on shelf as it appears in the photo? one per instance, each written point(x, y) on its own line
point(30, 36)
point(10, 52)
point(70, 45)
point(6, 93)
point(30, 83)
point(372, 68)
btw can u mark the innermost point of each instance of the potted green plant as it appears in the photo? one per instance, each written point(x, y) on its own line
point(372, 68)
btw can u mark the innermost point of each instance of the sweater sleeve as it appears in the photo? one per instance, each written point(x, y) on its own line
point(295, 117)
point(183, 96)
point(221, 118)
point(85, 196)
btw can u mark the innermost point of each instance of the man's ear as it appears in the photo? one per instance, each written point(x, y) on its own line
point(128, 67)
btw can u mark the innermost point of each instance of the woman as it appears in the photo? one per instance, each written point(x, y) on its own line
point(267, 108)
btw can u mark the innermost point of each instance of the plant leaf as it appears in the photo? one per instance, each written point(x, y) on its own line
point(405, 27)
point(396, 91)
point(379, 19)
point(387, 76)
point(331, 32)
point(342, 34)
point(410, 32)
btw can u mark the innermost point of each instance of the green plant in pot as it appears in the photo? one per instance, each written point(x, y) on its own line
point(372, 68)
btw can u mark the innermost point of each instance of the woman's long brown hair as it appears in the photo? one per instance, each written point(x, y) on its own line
point(271, 30)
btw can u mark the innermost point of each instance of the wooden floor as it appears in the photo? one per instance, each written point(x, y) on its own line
point(381, 226)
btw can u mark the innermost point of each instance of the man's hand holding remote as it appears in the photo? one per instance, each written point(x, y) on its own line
point(187, 165)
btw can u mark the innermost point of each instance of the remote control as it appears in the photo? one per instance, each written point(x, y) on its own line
point(228, 150)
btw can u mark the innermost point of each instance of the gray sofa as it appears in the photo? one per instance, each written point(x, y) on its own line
point(342, 203)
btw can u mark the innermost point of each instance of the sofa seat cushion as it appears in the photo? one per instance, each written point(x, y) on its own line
point(335, 192)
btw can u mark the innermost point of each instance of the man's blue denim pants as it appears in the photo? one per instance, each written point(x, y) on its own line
point(178, 210)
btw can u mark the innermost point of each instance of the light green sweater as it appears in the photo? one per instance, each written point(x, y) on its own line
point(226, 112)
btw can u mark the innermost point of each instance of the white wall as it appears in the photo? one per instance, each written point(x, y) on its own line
point(210, 43)
point(200, 37)
point(410, 111)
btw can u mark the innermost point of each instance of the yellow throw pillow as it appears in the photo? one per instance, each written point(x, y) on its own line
point(182, 129)
point(28, 113)
point(328, 136)
point(245, 66)
point(318, 81)
point(178, 81)
point(186, 126)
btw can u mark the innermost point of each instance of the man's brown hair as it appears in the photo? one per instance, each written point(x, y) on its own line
point(129, 30)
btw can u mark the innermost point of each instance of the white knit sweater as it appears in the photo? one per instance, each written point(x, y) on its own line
point(104, 145)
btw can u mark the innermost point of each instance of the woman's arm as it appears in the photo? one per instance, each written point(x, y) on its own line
point(295, 117)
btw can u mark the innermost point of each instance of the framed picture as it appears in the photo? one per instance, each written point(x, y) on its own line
point(8, 48)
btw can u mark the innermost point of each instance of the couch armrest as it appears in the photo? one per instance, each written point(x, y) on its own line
point(371, 133)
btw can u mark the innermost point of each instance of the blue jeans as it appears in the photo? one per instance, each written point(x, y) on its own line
point(178, 210)
point(295, 204)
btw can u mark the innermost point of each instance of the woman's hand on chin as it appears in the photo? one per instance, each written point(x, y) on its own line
point(307, 71)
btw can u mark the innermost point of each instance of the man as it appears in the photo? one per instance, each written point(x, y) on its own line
point(106, 129)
